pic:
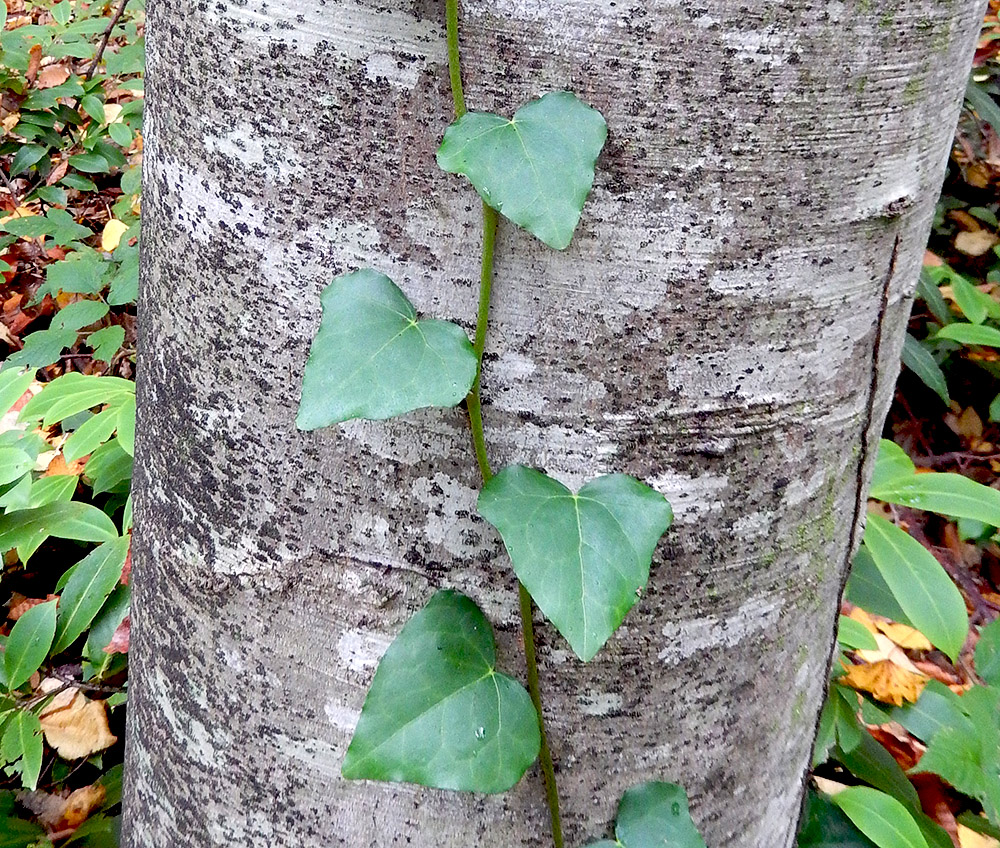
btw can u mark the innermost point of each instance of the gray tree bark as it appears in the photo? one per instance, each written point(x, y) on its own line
point(755, 232)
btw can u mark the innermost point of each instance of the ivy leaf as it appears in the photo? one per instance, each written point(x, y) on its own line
point(583, 556)
point(372, 358)
point(438, 713)
point(654, 815)
point(537, 168)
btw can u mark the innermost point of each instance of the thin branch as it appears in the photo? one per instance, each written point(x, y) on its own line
point(104, 39)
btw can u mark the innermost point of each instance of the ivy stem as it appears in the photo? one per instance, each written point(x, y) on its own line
point(474, 404)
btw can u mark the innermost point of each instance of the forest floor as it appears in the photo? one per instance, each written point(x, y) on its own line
point(913, 714)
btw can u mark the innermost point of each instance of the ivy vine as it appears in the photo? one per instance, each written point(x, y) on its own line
point(439, 713)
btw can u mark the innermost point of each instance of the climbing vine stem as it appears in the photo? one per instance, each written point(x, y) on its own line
point(474, 405)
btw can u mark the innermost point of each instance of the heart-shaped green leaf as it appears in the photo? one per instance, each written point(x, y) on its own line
point(537, 168)
point(584, 557)
point(654, 815)
point(438, 713)
point(372, 358)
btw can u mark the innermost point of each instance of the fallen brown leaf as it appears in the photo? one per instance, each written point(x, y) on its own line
point(34, 63)
point(886, 681)
point(73, 724)
point(119, 640)
point(19, 604)
point(52, 76)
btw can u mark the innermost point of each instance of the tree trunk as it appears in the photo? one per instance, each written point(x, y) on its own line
point(754, 234)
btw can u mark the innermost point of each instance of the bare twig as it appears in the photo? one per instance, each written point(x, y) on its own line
point(105, 38)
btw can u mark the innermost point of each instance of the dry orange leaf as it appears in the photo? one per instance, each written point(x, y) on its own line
point(52, 76)
point(112, 234)
point(864, 619)
point(886, 681)
point(968, 838)
point(904, 636)
point(73, 724)
point(975, 242)
point(34, 63)
point(59, 466)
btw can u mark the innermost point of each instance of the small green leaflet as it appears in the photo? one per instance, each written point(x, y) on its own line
point(29, 642)
point(535, 169)
point(585, 556)
point(654, 815)
point(372, 358)
point(22, 742)
point(921, 362)
point(880, 817)
point(918, 582)
point(438, 713)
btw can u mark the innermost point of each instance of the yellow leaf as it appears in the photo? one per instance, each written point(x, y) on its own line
point(862, 618)
point(904, 636)
point(968, 838)
point(20, 212)
point(975, 243)
point(886, 681)
point(112, 111)
point(112, 234)
point(74, 725)
point(887, 650)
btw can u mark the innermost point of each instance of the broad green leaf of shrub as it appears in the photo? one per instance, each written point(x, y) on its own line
point(82, 272)
point(41, 348)
point(372, 357)
point(73, 393)
point(14, 464)
point(109, 466)
point(967, 753)
point(106, 342)
point(80, 314)
point(872, 763)
point(13, 384)
point(126, 426)
point(921, 362)
point(880, 817)
point(115, 608)
point(891, 463)
point(93, 579)
point(537, 168)
point(584, 556)
point(988, 653)
point(67, 520)
point(438, 713)
point(29, 642)
point(654, 815)
point(838, 724)
point(972, 334)
point(22, 742)
point(91, 433)
point(825, 826)
point(918, 582)
point(854, 635)
point(867, 589)
point(946, 493)
point(935, 709)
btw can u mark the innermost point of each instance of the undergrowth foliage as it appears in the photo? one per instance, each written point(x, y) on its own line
point(71, 109)
point(908, 750)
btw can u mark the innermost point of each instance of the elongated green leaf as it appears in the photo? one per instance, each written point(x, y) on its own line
point(29, 642)
point(73, 520)
point(109, 467)
point(922, 363)
point(73, 393)
point(919, 583)
point(891, 464)
point(537, 168)
point(988, 653)
point(583, 556)
point(980, 100)
point(13, 384)
point(874, 764)
point(974, 334)
point(927, 288)
point(935, 709)
point(654, 815)
point(825, 826)
point(93, 579)
point(948, 494)
point(879, 817)
point(969, 299)
point(867, 589)
point(14, 464)
point(853, 634)
point(126, 426)
point(438, 713)
point(372, 358)
point(91, 433)
point(22, 742)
